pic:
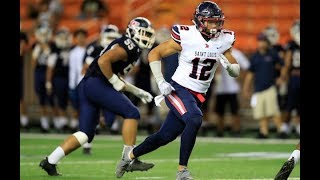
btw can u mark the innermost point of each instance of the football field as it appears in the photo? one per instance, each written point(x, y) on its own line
point(211, 159)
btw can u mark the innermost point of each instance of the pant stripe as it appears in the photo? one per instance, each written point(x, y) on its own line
point(177, 103)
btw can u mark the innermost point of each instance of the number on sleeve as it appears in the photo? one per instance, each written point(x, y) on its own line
point(184, 28)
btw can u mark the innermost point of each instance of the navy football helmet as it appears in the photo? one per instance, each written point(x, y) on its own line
point(141, 31)
point(208, 12)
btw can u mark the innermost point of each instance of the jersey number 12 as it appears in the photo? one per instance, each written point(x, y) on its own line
point(203, 76)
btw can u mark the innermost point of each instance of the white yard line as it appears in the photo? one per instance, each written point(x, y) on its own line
point(149, 177)
point(139, 138)
point(67, 162)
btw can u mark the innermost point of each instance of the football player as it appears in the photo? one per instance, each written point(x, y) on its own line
point(291, 73)
point(101, 88)
point(24, 120)
point(40, 54)
point(107, 35)
point(202, 46)
point(57, 75)
point(289, 165)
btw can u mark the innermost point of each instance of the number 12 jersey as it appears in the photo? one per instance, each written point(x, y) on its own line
point(198, 59)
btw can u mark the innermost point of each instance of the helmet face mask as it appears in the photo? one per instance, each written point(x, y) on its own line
point(209, 19)
point(142, 32)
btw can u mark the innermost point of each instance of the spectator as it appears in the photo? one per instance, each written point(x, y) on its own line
point(273, 36)
point(75, 67)
point(227, 90)
point(264, 99)
point(93, 9)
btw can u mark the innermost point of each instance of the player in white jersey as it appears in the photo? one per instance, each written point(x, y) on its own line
point(201, 47)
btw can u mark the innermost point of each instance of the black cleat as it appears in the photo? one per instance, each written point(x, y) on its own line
point(285, 170)
point(49, 168)
point(86, 151)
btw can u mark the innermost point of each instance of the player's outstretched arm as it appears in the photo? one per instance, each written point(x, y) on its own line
point(164, 49)
point(113, 55)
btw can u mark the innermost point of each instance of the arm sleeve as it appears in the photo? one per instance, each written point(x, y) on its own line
point(175, 33)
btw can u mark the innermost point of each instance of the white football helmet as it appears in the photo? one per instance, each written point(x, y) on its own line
point(295, 31)
point(43, 34)
point(272, 34)
point(141, 31)
point(63, 38)
point(108, 34)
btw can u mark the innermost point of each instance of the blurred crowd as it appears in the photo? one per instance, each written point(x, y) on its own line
point(269, 80)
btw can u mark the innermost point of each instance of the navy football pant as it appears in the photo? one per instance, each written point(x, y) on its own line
point(94, 95)
point(40, 88)
point(60, 91)
point(293, 100)
point(109, 117)
point(184, 117)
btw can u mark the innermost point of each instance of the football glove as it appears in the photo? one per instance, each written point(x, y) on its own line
point(144, 96)
point(165, 87)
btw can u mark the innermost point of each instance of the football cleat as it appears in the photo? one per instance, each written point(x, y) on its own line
point(184, 175)
point(285, 170)
point(49, 168)
point(86, 151)
point(137, 165)
point(131, 165)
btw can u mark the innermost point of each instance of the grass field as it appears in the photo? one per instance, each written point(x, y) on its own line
point(212, 158)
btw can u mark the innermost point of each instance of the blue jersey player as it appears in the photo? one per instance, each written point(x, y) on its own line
point(39, 59)
point(57, 75)
point(291, 74)
point(101, 89)
point(108, 34)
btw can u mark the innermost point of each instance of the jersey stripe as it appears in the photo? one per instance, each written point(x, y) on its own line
point(177, 103)
point(175, 34)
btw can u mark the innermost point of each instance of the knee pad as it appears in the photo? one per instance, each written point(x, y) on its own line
point(81, 137)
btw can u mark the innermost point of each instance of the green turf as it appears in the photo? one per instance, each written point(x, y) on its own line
point(209, 160)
